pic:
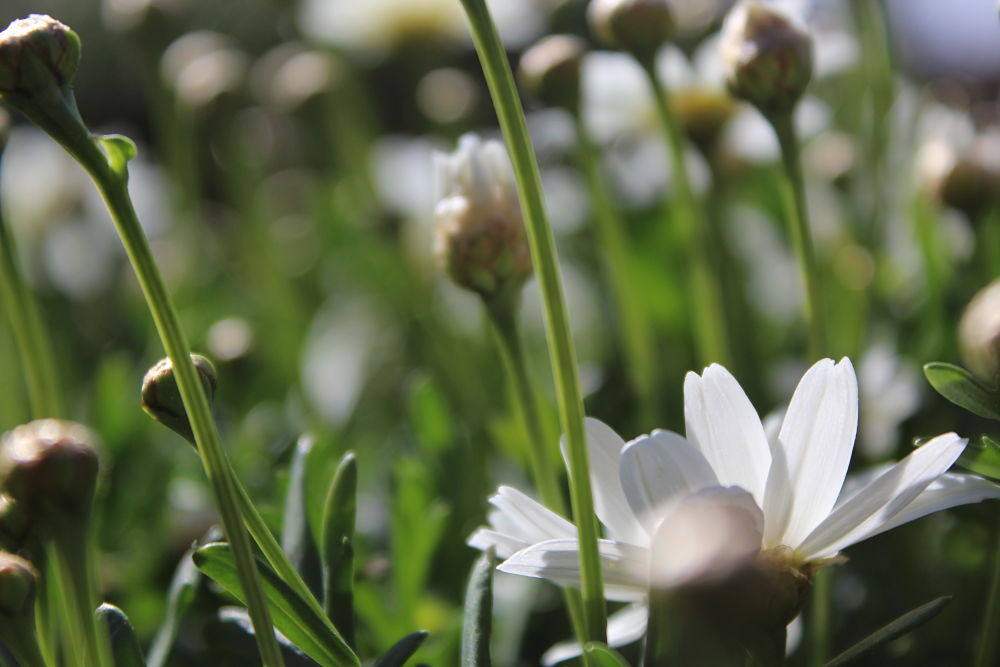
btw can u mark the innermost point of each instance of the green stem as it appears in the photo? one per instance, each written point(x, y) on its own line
point(615, 252)
point(54, 110)
point(986, 644)
point(819, 617)
point(708, 320)
point(561, 351)
point(502, 313)
point(29, 332)
point(794, 198)
point(74, 560)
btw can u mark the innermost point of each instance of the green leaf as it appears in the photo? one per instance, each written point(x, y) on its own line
point(296, 537)
point(125, 648)
point(982, 458)
point(291, 615)
point(337, 545)
point(602, 655)
point(961, 388)
point(182, 591)
point(478, 621)
point(118, 149)
point(239, 637)
point(895, 629)
point(402, 650)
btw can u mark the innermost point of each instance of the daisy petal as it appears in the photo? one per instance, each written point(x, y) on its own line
point(604, 449)
point(526, 519)
point(948, 490)
point(877, 504)
point(625, 626)
point(624, 566)
point(506, 545)
point(812, 452)
point(658, 468)
point(723, 424)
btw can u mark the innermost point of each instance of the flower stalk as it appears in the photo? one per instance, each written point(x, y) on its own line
point(986, 644)
point(562, 354)
point(707, 321)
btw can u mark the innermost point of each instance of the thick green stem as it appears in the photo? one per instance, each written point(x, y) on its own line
point(796, 213)
point(986, 644)
point(54, 110)
point(73, 554)
point(707, 317)
point(818, 619)
point(562, 354)
point(30, 334)
point(614, 251)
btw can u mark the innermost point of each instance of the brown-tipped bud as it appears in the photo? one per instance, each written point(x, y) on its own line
point(37, 53)
point(18, 585)
point(979, 333)
point(550, 70)
point(49, 466)
point(767, 57)
point(640, 27)
point(161, 397)
point(480, 238)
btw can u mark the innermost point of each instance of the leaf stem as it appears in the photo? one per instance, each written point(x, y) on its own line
point(986, 644)
point(708, 320)
point(562, 354)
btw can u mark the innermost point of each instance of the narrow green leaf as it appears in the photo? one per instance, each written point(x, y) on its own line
point(182, 591)
point(982, 458)
point(602, 655)
point(337, 544)
point(478, 622)
point(961, 388)
point(402, 650)
point(296, 537)
point(293, 617)
point(118, 149)
point(125, 648)
point(893, 630)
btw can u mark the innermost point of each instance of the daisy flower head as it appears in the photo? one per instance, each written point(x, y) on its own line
point(668, 502)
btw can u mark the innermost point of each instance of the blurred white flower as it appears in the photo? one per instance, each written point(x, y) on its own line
point(375, 27)
point(890, 393)
point(202, 65)
point(785, 496)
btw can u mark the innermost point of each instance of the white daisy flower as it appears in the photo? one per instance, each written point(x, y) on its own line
point(788, 492)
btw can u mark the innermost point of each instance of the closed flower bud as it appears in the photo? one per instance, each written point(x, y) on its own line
point(550, 70)
point(767, 57)
point(18, 585)
point(15, 524)
point(640, 27)
point(480, 238)
point(979, 333)
point(161, 397)
point(49, 466)
point(37, 53)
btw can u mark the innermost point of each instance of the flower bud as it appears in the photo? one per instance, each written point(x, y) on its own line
point(550, 70)
point(640, 27)
point(36, 53)
point(49, 466)
point(15, 524)
point(480, 239)
point(702, 115)
point(979, 333)
point(767, 57)
point(161, 397)
point(18, 585)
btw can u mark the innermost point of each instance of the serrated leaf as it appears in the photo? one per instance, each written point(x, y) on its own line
point(893, 630)
point(478, 619)
point(982, 458)
point(337, 546)
point(183, 587)
point(292, 616)
point(602, 655)
point(402, 650)
point(961, 388)
point(296, 537)
point(125, 647)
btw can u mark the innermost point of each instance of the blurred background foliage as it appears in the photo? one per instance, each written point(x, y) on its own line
point(285, 178)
